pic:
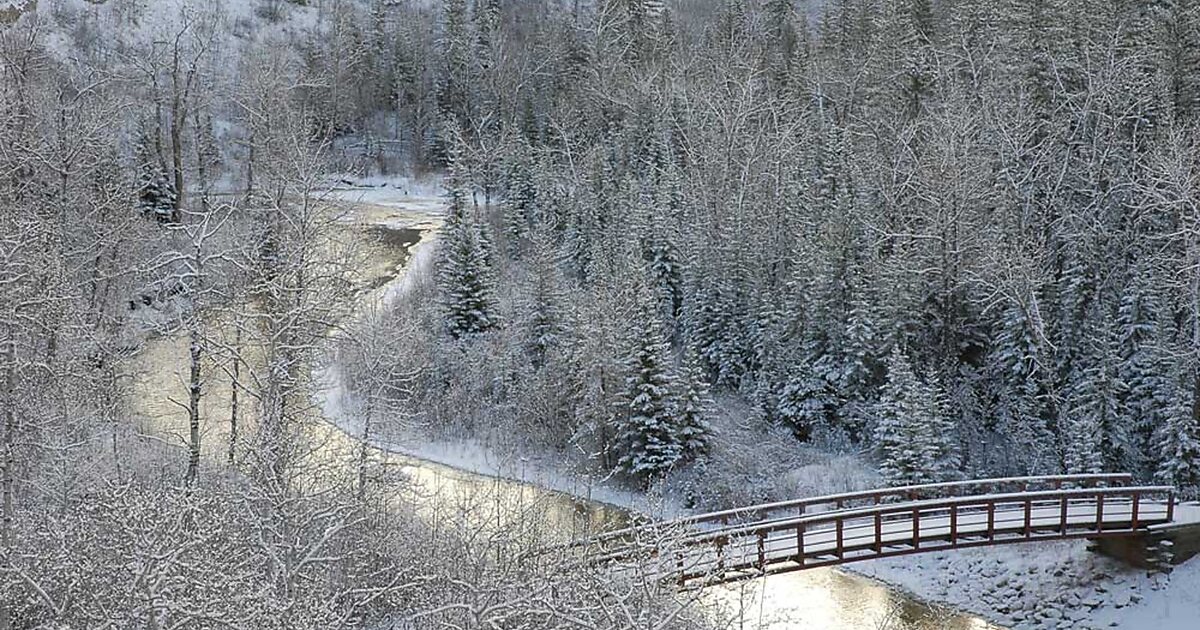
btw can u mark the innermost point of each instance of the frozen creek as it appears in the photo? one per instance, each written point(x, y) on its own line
point(817, 599)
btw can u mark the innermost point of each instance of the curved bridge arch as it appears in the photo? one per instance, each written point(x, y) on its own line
point(836, 529)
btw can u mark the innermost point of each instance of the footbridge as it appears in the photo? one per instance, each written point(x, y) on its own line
point(841, 528)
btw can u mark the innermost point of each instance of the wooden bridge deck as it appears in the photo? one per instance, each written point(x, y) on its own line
point(836, 529)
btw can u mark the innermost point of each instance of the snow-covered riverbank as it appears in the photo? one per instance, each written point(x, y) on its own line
point(1056, 585)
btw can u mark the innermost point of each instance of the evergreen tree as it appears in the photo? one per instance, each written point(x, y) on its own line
point(1178, 447)
point(1083, 449)
point(692, 409)
point(805, 401)
point(860, 351)
point(666, 272)
point(913, 435)
point(546, 319)
point(1017, 375)
point(465, 272)
point(1097, 431)
point(156, 194)
point(1142, 371)
point(520, 199)
point(155, 190)
point(1178, 43)
point(648, 443)
point(453, 95)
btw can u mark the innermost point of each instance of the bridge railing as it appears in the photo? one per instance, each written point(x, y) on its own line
point(784, 510)
point(880, 530)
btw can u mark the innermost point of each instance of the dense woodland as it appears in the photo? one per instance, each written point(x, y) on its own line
point(960, 238)
point(948, 238)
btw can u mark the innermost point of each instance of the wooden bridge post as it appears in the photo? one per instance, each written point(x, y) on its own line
point(878, 528)
point(841, 551)
point(916, 521)
point(1028, 518)
point(954, 525)
point(1062, 517)
point(800, 539)
point(1171, 506)
point(991, 530)
point(1099, 512)
point(721, 542)
point(1134, 514)
point(762, 550)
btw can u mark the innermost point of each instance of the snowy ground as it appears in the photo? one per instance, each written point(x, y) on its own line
point(1049, 585)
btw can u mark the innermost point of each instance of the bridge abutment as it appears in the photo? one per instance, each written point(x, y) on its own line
point(1155, 549)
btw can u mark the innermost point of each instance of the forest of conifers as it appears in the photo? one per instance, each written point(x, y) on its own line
point(948, 239)
point(961, 236)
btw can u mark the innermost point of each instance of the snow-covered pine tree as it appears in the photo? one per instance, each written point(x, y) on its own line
point(939, 430)
point(545, 316)
point(464, 269)
point(913, 435)
point(861, 347)
point(155, 191)
point(1178, 446)
point(665, 269)
point(452, 92)
point(692, 408)
point(900, 462)
point(1146, 396)
point(1096, 429)
point(1083, 450)
point(716, 330)
point(520, 198)
point(647, 444)
point(1020, 414)
point(805, 401)
point(156, 194)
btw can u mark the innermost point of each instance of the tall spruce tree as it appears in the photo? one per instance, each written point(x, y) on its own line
point(465, 270)
point(545, 318)
point(912, 433)
point(1178, 446)
point(1143, 371)
point(692, 408)
point(1097, 429)
point(648, 441)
